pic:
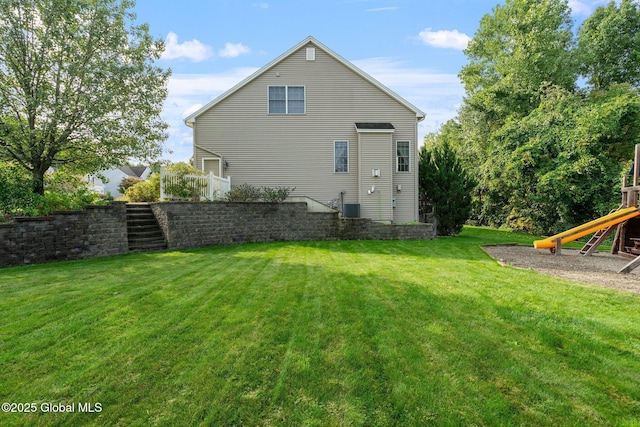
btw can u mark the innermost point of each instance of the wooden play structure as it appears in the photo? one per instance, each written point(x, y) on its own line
point(624, 221)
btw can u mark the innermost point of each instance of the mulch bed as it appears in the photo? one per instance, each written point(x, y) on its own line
point(600, 268)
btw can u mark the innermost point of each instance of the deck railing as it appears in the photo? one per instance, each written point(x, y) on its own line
point(175, 186)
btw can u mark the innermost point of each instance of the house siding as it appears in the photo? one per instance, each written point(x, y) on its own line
point(297, 150)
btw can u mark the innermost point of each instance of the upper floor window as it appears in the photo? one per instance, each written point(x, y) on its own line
point(341, 156)
point(286, 100)
point(402, 156)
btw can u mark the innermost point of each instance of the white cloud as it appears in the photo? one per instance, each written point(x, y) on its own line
point(439, 95)
point(444, 39)
point(579, 7)
point(188, 85)
point(232, 50)
point(261, 5)
point(193, 49)
point(586, 7)
point(189, 111)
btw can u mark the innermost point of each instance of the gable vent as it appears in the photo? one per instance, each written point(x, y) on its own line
point(311, 54)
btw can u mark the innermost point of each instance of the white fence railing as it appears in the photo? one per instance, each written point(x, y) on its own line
point(175, 186)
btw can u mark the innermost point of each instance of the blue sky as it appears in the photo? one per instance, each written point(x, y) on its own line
point(414, 47)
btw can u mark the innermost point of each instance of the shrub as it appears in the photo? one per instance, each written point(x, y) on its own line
point(127, 182)
point(244, 193)
point(16, 193)
point(250, 193)
point(66, 191)
point(183, 168)
point(276, 195)
point(183, 187)
point(144, 191)
point(63, 191)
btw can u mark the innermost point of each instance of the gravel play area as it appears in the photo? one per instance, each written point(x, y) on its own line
point(599, 269)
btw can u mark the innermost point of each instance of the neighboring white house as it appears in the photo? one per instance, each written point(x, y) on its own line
point(312, 120)
point(113, 178)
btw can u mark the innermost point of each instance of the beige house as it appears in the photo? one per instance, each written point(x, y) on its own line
point(312, 120)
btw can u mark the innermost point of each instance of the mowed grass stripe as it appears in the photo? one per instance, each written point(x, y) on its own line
point(318, 333)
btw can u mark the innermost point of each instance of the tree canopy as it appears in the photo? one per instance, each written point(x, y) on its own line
point(78, 86)
point(521, 46)
point(548, 154)
point(609, 44)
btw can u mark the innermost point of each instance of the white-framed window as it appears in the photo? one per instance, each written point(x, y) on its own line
point(341, 156)
point(403, 156)
point(286, 99)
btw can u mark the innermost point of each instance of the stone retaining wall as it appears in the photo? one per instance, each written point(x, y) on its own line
point(95, 231)
point(190, 225)
point(102, 230)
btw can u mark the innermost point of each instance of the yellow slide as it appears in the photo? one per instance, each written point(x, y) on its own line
point(589, 228)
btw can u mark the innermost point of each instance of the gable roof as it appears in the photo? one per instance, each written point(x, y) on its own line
point(135, 171)
point(189, 120)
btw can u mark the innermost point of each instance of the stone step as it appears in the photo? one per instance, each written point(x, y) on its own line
point(143, 243)
point(146, 209)
point(132, 208)
point(141, 215)
point(144, 233)
point(141, 205)
point(143, 222)
point(145, 240)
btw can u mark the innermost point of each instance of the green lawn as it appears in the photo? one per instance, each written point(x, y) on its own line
point(317, 333)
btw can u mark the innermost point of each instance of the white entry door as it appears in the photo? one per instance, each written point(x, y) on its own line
point(212, 165)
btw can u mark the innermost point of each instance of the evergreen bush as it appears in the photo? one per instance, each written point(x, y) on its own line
point(446, 185)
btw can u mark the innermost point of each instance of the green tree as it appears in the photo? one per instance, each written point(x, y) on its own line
point(609, 45)
point(446, 185)
point(547, 154)
point(523, 45)
point(78, 87)
point(561, 165)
